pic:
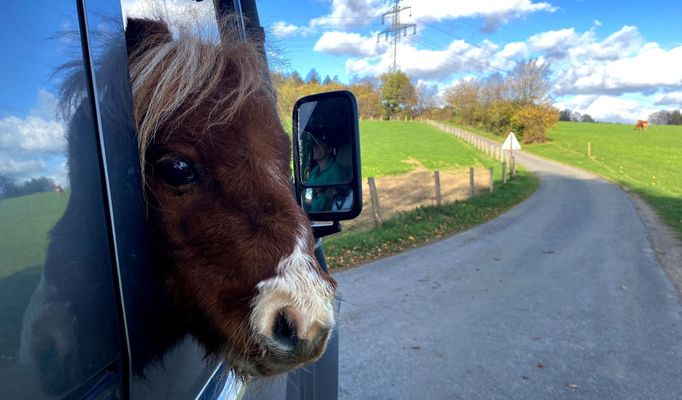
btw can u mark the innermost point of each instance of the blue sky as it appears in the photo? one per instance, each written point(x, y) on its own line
point(618, 61)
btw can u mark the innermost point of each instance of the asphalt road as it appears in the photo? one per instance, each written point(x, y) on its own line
point(560, 298)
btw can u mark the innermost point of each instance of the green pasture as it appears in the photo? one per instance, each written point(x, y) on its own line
point(649, 163)
point(397, 147)
point(26, 222)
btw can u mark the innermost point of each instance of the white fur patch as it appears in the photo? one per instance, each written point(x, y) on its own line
point(298, 285)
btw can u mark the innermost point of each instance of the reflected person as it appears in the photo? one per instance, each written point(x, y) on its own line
point(326, 172)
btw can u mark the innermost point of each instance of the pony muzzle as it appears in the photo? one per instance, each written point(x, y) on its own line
point(291, 327)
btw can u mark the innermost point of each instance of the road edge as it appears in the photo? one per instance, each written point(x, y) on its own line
point(665, 243)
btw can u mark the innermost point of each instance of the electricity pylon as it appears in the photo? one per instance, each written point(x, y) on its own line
point(395, 29)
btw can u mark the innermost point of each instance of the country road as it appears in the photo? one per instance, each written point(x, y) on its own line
point(560, 298)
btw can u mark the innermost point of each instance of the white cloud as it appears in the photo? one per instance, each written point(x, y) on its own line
point(650, 69)
point(283, 29)
point(425, 64)
point(671, 99)
point(607, 108)
point(39, 131)
point(357, 11)
point(553, 41)
point(352, 44)
point(496, 12)
point(12, 167)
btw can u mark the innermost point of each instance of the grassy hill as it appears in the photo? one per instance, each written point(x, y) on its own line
point(396, 147)
point(26, 222)
point(648, 163)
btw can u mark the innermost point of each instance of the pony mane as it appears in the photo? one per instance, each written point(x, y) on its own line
point(174, 75)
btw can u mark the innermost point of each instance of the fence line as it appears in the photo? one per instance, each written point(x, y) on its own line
point(412, 190)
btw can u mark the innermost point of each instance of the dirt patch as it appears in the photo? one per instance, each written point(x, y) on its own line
point(664, 241)
point(417, 188)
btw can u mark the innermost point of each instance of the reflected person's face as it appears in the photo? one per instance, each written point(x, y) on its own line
point(319, 151)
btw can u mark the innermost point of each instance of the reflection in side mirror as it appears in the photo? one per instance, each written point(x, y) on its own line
point(327, 156)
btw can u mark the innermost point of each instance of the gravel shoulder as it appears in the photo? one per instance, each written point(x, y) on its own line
point(663, 240)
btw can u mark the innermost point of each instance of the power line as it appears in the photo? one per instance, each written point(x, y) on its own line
point(395, 29)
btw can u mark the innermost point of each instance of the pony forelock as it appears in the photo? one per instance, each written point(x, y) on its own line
point(171, 80)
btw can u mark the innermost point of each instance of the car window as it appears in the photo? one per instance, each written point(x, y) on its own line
point(59, 330)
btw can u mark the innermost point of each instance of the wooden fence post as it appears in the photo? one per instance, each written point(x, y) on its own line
point(504, 171)
point(491, 182)
point(589, 150)
point(471, 181)
point(436, 177)
point(375, 201)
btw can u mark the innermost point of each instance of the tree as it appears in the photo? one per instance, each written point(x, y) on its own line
point(464, 98)
point(296, 78)
point(368, 96)
point(586, 118)
point(675, 118)
point(9, 189)
point(660, 117)
point(312, 77)
point(529, 82)
point(532, 120)
point(426, 95)
point(327, 80)
point(397, 94)
point(565, 115)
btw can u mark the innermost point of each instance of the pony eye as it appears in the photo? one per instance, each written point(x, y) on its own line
point(176, 171)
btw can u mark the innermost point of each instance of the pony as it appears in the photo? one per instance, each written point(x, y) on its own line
point(642, 125)
point(233, 251)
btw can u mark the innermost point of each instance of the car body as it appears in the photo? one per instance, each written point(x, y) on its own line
point(81, 307)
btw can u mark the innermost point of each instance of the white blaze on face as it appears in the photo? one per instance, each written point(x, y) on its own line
point(298, 285)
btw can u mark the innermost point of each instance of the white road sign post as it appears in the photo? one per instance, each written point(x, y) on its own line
point(511, 143)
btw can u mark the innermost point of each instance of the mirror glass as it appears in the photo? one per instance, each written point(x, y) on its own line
point(328, 199)
point(325, 150)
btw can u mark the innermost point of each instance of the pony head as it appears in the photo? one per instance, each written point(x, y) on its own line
point(233, 248)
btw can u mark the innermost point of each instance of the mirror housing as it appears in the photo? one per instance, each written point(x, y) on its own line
point(327, 170)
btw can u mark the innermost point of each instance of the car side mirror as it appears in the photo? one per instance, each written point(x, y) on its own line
point(327, 156)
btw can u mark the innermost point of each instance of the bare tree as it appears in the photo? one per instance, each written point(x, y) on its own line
point(529, 82)
point(427, 96)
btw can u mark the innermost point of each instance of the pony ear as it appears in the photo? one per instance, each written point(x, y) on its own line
point(143, 34)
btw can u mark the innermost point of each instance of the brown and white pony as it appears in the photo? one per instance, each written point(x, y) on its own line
point(642, 125)
point(235, 251)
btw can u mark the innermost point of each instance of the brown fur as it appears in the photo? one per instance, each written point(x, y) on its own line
point(642, 125)
point(215, 239)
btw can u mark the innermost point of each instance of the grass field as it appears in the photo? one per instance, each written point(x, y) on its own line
point(396, 147)
point(425, 224)
point(648, 163)
point(26, 222)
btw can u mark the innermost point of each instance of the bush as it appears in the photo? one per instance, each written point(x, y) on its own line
point(531, 122)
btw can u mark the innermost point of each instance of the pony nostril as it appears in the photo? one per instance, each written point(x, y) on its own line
point(284, 330)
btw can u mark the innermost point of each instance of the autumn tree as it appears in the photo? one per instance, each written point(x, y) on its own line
point(397, 94)
point(464, 97)
point(368, 95)
point(531, 121)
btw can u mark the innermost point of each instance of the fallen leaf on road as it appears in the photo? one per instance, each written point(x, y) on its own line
point(572, 386)
point(541, 365)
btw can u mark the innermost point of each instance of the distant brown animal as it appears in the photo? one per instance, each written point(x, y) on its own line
point(642, 125)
